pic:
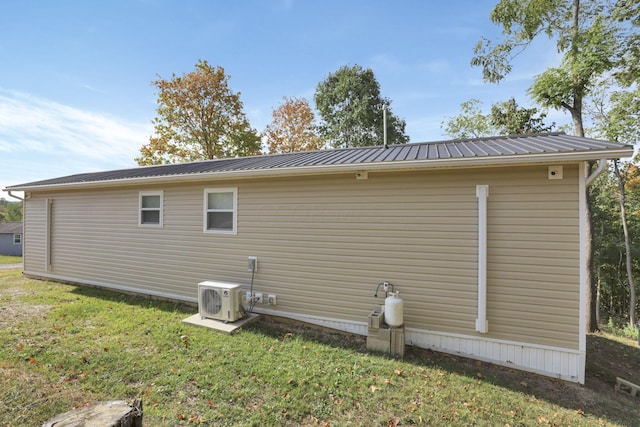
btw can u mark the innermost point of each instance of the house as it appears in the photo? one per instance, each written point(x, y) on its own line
point(484, 238)
point(11, 238)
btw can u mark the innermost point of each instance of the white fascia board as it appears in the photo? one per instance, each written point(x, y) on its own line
point(391, 166)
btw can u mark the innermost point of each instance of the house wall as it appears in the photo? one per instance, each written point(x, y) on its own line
point(323, 244)
point(7, 247)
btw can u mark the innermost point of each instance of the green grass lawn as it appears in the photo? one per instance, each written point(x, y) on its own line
point(65, 346)
point(5, 259)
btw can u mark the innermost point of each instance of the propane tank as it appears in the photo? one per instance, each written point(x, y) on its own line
point(393, 310)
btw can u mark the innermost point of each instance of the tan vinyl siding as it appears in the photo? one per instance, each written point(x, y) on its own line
point(533, 258)
point(324, 243)
point(34, 249)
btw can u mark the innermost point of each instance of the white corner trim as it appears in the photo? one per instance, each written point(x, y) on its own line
point(584, 286)
point(47, 233)
point(482, 324)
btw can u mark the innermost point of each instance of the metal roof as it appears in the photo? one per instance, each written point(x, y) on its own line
point(511, 149)
point(10, 227)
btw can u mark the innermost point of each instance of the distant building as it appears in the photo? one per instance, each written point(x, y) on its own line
point(11, 238)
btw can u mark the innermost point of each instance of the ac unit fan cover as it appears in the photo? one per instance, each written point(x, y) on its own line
point(211, 301)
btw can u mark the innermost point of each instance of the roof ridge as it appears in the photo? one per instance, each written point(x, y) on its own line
point(487, 138)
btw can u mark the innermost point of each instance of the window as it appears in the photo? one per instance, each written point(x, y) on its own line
point(220, 210)
point(151, 208)
point(17, 238)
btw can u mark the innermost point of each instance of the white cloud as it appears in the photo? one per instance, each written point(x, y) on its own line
point(37, 125)
point(41, 139)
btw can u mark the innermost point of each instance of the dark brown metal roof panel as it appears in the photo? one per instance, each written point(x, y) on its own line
point(512, 146)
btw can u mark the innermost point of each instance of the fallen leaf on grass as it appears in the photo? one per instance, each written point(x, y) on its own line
point(373, 388)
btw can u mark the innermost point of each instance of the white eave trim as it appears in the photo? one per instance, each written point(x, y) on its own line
point(383, 166)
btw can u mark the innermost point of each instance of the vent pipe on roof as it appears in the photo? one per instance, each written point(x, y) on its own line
point(384, 124)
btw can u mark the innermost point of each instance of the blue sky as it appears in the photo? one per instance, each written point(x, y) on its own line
point(75, 76)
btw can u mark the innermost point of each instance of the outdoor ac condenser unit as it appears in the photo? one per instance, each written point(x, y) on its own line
point(219, 300)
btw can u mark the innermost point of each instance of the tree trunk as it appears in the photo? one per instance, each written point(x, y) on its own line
point(598, 295)
point(116, 413)
point(627, 246)
point(592, 321)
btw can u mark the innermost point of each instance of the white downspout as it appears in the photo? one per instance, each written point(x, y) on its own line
point(602, 163)
point(482, 325)
point(47, 248)
point(14, 196)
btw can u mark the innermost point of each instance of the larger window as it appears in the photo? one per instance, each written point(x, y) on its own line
point(220, 213)
point(151, 208)
point(17, 238)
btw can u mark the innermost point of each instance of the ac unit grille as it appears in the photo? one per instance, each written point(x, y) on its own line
point(211, 300)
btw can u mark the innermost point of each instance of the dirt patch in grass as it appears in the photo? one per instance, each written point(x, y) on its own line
point(609, 357)
point(13, 311)
point(26, 397)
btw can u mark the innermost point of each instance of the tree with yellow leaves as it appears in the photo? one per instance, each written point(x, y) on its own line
point(199, 118)
point(293, 128)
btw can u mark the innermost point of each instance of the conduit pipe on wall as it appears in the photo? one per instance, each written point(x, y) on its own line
point(482, 325)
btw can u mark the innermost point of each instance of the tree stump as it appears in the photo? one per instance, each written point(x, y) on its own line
point(116, 413)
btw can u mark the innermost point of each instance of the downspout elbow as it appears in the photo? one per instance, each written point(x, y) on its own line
point(602, 163)
point(14, 196)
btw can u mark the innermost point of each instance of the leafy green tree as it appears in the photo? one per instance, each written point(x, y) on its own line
point(628, 11)
point(616, 114)
point(505, 118)
point(351, 110)
point(470, 123)
point(509, 119)
point(10, 211)
point(199, 118)
point(589, 40)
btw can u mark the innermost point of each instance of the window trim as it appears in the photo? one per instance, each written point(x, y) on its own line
point(17, 238)
point(141, 194)
point(206, 210)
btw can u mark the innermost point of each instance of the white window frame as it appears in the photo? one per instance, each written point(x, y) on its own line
point(160, 209)
point(17, 238)
point(207, 191)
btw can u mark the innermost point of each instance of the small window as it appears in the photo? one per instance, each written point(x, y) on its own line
point(151, 208)
point(17, 238)
point(220, 210)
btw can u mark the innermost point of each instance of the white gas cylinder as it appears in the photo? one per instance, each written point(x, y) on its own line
point(393, 310)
